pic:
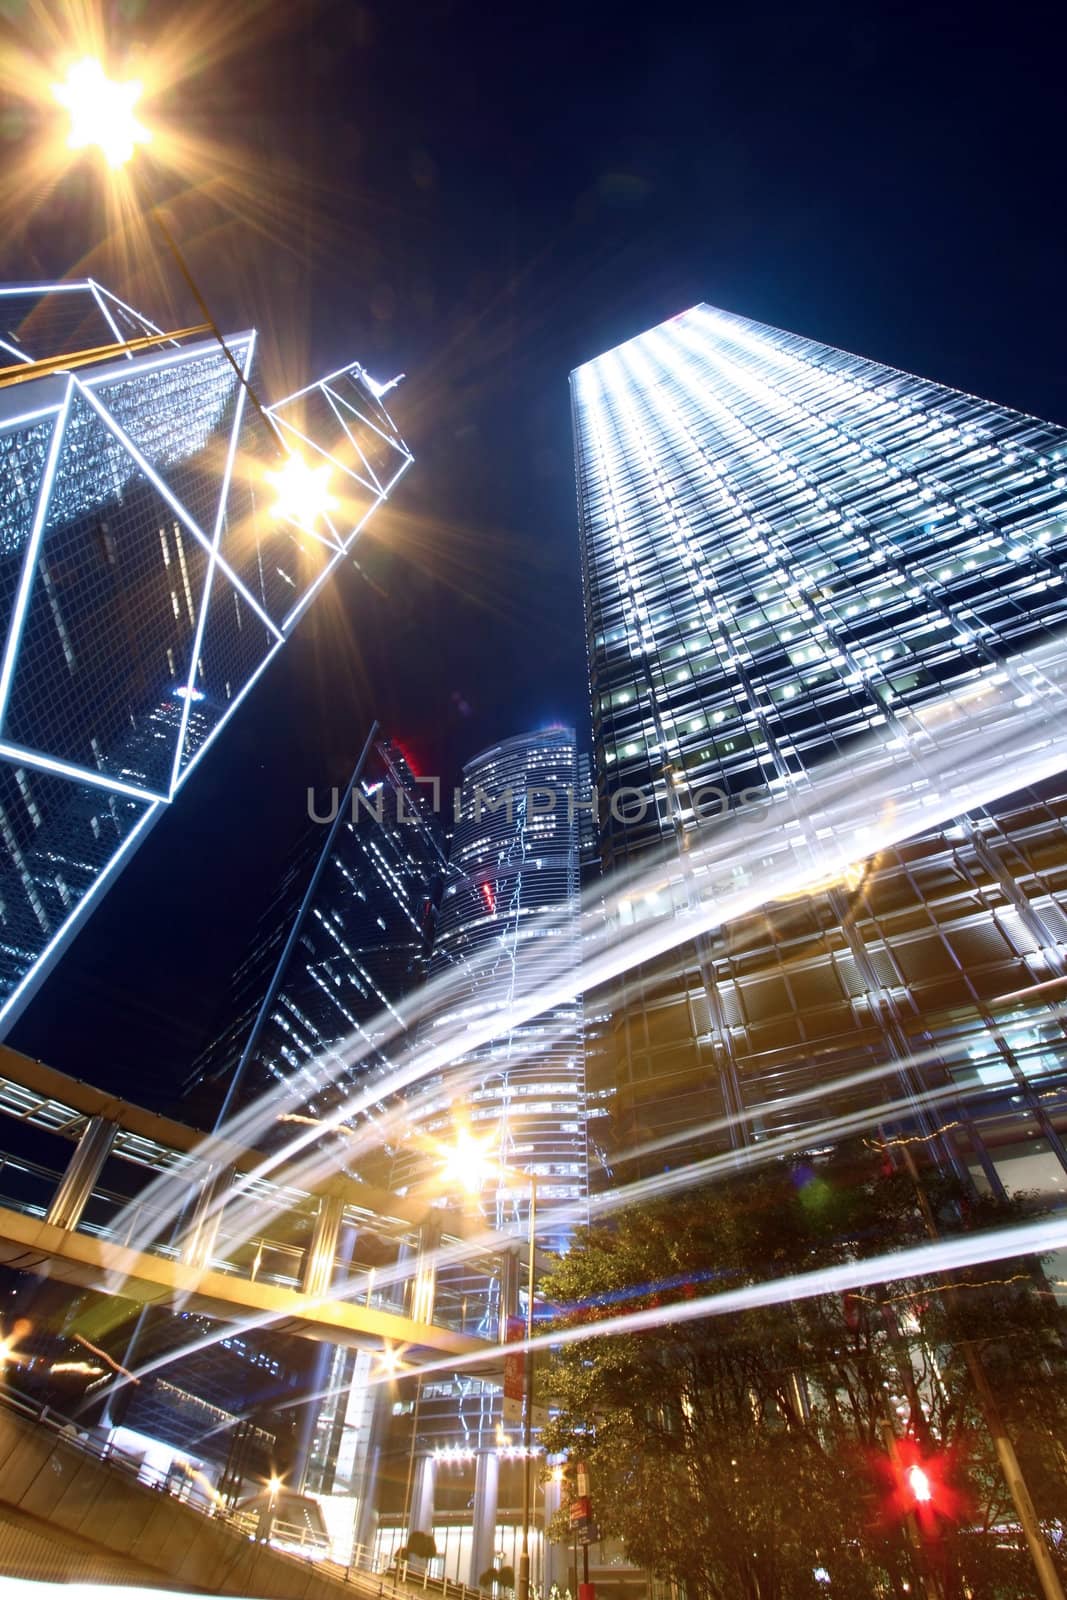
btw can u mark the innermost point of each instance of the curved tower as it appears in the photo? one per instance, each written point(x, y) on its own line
point(514, 881)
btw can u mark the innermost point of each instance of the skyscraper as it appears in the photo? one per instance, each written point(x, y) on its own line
point(346, 937)
point(146, 580)
point(514, 881)
point(787, 550)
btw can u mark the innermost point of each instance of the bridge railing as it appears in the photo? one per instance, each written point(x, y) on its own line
point(288, 1539)
point(461, 1299)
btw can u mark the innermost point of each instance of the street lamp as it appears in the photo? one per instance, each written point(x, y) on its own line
point(101, 112)
point(467, 1164)
point(469, 1161)
point(302, 492)
point(523, 1589)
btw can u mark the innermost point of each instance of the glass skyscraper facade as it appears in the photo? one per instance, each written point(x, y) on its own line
point(512, 896)
point(146, 580)
point(514, 881)
point(786, 550)
point(345, 938)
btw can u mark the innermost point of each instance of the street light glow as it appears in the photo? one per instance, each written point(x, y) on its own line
point(101, 111)
point(302, 492)
point(919, 1484)
point(390, 1362)
point(468, 1164)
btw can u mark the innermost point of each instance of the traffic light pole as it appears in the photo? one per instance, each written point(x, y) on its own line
point(930, 1587)
point(522, 1591)
point(1047, 1576)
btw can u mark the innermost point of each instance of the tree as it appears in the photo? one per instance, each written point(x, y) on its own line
point(497, 1577)
point(423, 1546)
point(745, 1454)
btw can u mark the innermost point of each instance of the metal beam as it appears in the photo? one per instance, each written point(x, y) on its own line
point(30, 1245)
point(26, 371)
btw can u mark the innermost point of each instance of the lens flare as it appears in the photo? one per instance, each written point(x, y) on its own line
point(302, 492)
point(101, 112)
point(467, 1164)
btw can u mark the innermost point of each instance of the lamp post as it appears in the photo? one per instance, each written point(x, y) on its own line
point(101, 112)
point(468, 1163)
point(523, 1587)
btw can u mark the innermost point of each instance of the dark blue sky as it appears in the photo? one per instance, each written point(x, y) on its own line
point(483, 197)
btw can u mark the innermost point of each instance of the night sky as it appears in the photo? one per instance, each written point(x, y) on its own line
point(483, 196)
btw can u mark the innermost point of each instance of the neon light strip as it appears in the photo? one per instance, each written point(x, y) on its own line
point(220, 518)
point(217, 729)
point(397, 475)
point(69, 769)
point(29, 565)
point(320, 450)
point(133, 313)
point(334, 545)
point(174, 503)
point(26, 985)
point(353, 366)
point(291, 619)
point(332, 403)
point(106, 314)
point(393, 444)
point(114, 373)
point(46, 288)
point(19, 354)
point(31, 416)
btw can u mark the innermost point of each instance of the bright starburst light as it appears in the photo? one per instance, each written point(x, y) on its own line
point(919, 1484)
point(302, 492)
point(467, 1163)
point(101, 112)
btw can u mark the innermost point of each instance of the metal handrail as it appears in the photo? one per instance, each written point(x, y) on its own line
point(359, 1574)
point(285, 1269)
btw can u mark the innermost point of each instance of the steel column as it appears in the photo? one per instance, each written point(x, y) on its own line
point(83, 1170)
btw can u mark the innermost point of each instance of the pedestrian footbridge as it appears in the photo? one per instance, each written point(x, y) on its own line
point(350, 1265)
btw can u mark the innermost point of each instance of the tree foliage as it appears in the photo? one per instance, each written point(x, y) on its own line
point(423, 1546)
point(500, 1577)
point(747, 1454)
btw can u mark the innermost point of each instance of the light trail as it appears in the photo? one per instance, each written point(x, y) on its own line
point(803, 834)
point(940, 1255)
point(492, 1241)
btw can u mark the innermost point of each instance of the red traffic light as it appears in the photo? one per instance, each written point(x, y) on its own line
point(921, 1486)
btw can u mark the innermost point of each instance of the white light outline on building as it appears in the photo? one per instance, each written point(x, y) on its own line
point(353, 366)
point(397, 475)
point(172, 500)
point(384, 437)
point(322, 451)
point(138, 316)
point(154, 803)
point(333, 401)
point(31, 416)
point(41, 289)
point(292, 617)
point(19, 354)
point(33, 545)
point(67, 929)
point(209, 576)
point(217, 729)
point(114, 372)
point(70, 769)
point(106, 314)
point(354, 369)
